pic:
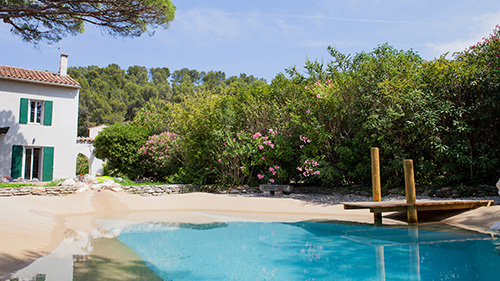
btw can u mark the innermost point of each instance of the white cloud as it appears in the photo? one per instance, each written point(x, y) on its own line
point(199, 24)
point(474, 29)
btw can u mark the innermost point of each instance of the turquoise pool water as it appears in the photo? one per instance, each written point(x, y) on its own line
point(310, 251)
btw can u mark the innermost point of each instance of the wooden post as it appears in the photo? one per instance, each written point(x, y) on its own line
point(377, 197)
point(411, 197)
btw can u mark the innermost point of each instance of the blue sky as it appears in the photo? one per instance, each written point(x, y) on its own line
point(264, 37)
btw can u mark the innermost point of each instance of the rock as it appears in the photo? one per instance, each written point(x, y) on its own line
point(109, 183)
point(67, 182)
point(89, 179)
point(96, 187)
point(498, 186)
point(82, 189)
point(4, 180)
point(117, 188)
point(19, 179)
point(79, 184)
point(38, 188)
point(35, 180)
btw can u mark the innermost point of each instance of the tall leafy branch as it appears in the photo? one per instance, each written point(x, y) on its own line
point(41, 20)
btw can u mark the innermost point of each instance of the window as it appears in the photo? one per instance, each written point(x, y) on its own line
point(35, 112)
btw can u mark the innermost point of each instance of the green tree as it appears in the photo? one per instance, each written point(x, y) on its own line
point(118, 144)
point(50, 21)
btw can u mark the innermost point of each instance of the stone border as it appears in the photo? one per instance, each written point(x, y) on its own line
point(143, 190)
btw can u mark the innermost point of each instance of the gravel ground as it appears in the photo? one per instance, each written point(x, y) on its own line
point(334, 197)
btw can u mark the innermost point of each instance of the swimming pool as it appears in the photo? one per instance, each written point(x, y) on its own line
point(310, 251)
point(249, 250)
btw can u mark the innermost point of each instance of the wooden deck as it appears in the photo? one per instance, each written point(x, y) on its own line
point(421, 205)
point(411, 206)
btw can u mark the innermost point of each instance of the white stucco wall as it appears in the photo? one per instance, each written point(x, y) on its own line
point(95, 164)
point(61, 134)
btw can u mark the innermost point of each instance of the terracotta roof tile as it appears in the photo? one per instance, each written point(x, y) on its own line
point(37, 76)
point(85, 139)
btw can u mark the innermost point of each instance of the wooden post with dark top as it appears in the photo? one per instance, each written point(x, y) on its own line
point(377, 197)
point(411, 197)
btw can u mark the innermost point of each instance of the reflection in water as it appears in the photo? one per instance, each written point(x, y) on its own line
point(268, 251)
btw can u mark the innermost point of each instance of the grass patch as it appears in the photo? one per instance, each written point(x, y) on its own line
point(53, 183)
point(127, 182)
point(11, 185)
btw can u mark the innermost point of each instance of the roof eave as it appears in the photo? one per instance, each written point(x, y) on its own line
point(40, 82)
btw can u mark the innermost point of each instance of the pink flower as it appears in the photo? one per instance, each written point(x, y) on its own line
point(220, 160)
point(241, 167)
point(260, 176)
point(301, 146)
point(271, 180)
point(263, 158)
point(271, 145)
point(317, 172)
point(261, 147)
point(318, 96)
point(256, 135)
point(276, 167)
point(271, 169)
point(308, 111)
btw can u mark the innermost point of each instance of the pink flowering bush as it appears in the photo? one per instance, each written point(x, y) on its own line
point(245, 158)
point(308, 168)
point(161, 156)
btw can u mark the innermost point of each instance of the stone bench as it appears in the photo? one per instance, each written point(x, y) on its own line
point(275, 189)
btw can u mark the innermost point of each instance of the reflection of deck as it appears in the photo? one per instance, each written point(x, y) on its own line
point(421, 205)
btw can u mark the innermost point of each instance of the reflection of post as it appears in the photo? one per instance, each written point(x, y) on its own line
point(414, 254)
point(376, 182)
point(411, 196)
point(379, 252)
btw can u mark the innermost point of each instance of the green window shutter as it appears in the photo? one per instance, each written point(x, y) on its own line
point(23, 111)
point(48, 163)
point(47, 113)
point(17, 161)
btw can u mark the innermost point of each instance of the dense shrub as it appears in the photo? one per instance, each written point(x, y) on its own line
point(160, 156)
point(318, 128)
point(118, 144)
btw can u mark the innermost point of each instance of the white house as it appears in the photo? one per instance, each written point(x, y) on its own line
point(38, 123)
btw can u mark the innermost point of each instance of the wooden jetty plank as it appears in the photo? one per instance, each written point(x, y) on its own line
point(452, 205)
point(427, 205)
